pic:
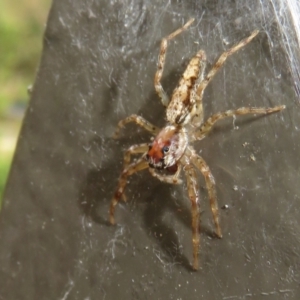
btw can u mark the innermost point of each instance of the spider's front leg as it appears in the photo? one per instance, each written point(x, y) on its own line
point(207, 126)
point(139, 121)
point(200, 163)
point(193, 192)
point(135, 149)
point(139, 165)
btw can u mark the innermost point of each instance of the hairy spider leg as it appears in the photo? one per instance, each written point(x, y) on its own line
point(172, 179)
point(161, 62)
point(135, 149)
point(154, 130)
point(207, 126)
point(139, 165)
point(200, 163)
point(193, 192)
point(221, 60)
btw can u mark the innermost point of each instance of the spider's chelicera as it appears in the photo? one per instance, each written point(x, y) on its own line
point(171, 150)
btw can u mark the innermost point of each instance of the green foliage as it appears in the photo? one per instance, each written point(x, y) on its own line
point(20, 48)
point(4, 170)
point(21, 34)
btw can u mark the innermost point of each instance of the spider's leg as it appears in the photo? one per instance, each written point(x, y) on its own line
point(193, 192)
point(161, 62)
point(199, 162)
point(132, 168)
point(172, 179)
point(139, 121)
point(207, 126)
point(221, 60)
point(135, 149)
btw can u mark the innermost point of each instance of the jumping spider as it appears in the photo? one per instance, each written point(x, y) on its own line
point(171, 150)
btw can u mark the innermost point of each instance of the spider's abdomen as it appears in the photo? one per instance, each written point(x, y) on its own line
point(182, 105)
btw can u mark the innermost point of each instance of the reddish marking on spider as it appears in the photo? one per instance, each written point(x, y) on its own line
point(155, 152)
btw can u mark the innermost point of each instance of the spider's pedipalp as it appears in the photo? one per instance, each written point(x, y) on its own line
point(172, 179)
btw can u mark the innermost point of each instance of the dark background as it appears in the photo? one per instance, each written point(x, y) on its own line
point(97, 67)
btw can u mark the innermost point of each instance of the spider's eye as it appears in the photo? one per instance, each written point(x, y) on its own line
point(165, 149)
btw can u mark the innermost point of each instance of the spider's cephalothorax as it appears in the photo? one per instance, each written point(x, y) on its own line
point(171, 151)
point(167, 148)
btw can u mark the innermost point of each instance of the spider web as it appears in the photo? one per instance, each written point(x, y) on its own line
point(286, 14)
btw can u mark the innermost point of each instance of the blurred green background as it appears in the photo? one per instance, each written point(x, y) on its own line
point(22, 24)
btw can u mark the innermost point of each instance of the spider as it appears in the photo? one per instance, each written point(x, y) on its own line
point(171, 152)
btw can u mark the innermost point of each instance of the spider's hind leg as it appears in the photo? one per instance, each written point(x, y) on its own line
point(221, 60)
point(161, 63)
